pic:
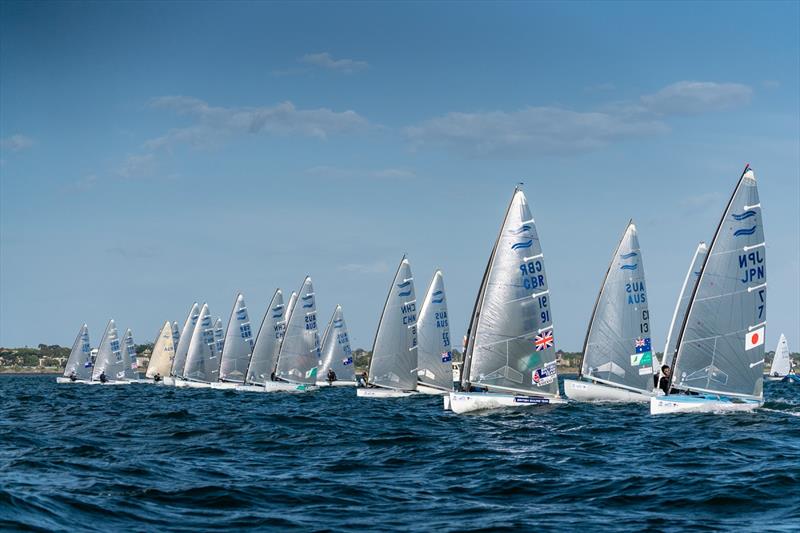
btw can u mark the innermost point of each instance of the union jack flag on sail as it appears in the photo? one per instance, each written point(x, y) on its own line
point(543, 341)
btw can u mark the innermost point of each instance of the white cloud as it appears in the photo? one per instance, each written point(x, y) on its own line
point(135, 166)
point(695, 97)
point(375, 267)
point(325, 60)
point(16, 142)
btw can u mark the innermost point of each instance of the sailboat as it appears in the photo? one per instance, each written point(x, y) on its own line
point(617, 361)
point(781, 369)
point(336, 354)
point(237, 347)
point(163, 353)
point(434, 353)
point(510, 358)
point(394, 352)
point(109, 362)
point(720, 349)
point(202, 360)
point(299, 354)
point(268, 342)
point(129, 358)
point(80, 359)
point(182, 348)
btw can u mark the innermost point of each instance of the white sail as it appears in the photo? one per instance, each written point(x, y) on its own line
point(176, 334)
point(434, 353)
point(109, 355)
point(510, 346)
point(394, 352)
point(182, 348)
point(163, 352)
point(80, 357)
point(299, 355)
point(687, 289)
point(721, 344)
point(202, 361)
point(129, 356)
point(336, 353)
point(782, 362)
point(268, 342)
point(238, 345)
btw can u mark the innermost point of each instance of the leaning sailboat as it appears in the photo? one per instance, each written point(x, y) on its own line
point(202, 360)
point(510, 358)
point(720, 348)
point(299, 354)
point(162, 355)
point(434, 353)
point(79, 364)
point(617, 361)
point(781, 368)
point(109, 365)
point(182, 347)
point(268, 342)
point(237, 347)
point(336, 356)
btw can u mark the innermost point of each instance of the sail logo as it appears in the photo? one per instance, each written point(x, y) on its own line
point(522, 245)
point(338, 323)
point(519, 231)
point(309, 301)
point(742, 232)
point(754, 339)
point(543, 341)
point(629, 267)
point(743, 216)
point(544, 375)
point(628, 255)
point(241, 314)
point(440, 298)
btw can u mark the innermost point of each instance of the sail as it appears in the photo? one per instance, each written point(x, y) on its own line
point(721, 345)
point(683, 302)
point(109, 355)
point(176, 334)
point(265, 350)
point(163, 352)
point(80, 357)
point(202, 361)
point(129, 361)
point(618, 348)
point(182, 348)
point(394, 352)
point(299, 353)
point(238, 344)
point(336, 353)
point(434, 353)
point(782, 362)
point(510, 346)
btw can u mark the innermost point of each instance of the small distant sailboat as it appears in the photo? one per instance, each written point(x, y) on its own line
point(163, 353)
point(336, 354)
point(434, 353)
point(720, 348)
point(109, 365)
point(299, 354)
point(182, 348)
point(268, 343)
point(394, 352)
point(781, 369)
point(79, 364)
point(510, 358)
point(202, 361)
point(237, 347)
point(617, 361)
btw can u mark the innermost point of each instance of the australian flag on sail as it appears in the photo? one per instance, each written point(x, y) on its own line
point(643, 345)
point(347, 361)
point(447, 356)
point(543, 341)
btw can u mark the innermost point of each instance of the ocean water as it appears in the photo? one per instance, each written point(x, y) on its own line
point(147, 458)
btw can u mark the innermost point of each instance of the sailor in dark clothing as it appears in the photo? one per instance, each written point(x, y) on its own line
point(72, 376)
point(103, 377)
point(666, 375)
point(331, 376)
point(157, 377)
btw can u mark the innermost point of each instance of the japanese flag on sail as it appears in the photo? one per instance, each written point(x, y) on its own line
point(754, 338)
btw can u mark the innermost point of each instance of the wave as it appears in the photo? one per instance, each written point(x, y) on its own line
point(404, 284)
point(748, 231)
point(629, 267)
point(522, 229)
point(746, 214)
point(521, 245)
point(628, 255)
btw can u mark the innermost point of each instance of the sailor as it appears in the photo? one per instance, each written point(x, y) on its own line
point(362, 379)
point(157, 377)
point(331, 376)
point(272, 376)
point(103, 377)
point(663, 383)
point(72, 376)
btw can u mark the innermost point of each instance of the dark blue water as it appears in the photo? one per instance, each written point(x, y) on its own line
point(142, 457)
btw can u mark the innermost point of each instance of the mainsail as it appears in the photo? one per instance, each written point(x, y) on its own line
point(109, 355)
point(687, 289)
point(510, 344)
point(434, 354)
point(299, 353)
point(238, 344)
point(129, 361)
point(394, 352)
point(618, 350)
point(265, 351)
point(336, 353)
point(80, 357)
point(163, 352)
point(782, 362)
point(182, 348)
point(202, 361)
point(721, 344)
point(176, 334)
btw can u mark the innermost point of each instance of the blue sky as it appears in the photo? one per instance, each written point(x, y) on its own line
point(156, 154)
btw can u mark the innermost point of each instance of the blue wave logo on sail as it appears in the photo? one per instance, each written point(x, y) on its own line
point(403, 285)
point(628, 256)
point(629, 267)
point(521, 245)
point(440, 298)
point(746, 214)
point(404, 293)
point(308, 305)
point(748, 231)
point(241, 314)
point(519, 231)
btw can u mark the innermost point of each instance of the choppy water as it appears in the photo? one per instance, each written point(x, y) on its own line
point(153, 458)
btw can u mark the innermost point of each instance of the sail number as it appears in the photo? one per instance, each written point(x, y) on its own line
point(532, 276)
point(761, 298)
point(311, 322)
point(751, 266)
point(644, 327)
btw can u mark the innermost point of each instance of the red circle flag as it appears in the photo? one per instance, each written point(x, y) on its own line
point(754, 338)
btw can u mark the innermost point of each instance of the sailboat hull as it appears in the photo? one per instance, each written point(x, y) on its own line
point(337, 383)
point(465, 402)
point(62, 379)
point(192, 384)
point(446, 399)
point(283, 386)
point(106, 383)
point(424, 389)
point(226, 385)
point(585, 391)
point(681, 403)
point(169, 380)
point(380, 392)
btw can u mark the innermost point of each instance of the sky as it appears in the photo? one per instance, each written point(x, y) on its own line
point(154, 154)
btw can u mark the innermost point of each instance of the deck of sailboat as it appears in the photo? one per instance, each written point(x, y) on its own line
point(586, 391)
point(684, 403)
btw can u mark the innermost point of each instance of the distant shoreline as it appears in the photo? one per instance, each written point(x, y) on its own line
point(24, 371)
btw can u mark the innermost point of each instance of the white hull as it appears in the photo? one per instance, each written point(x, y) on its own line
point(679, 403)
point(424, 389)
point(192, 384)
point(137, 380)
point(380, 392)
point(168, 380)
point(62, 379)
point(337, 383)
point(283, 386)
point(226, 385)
point(446, 398)
point(106, 383)
point(773, 378)
point(585, 391)
point(465, 402)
